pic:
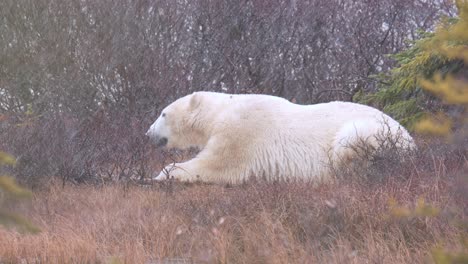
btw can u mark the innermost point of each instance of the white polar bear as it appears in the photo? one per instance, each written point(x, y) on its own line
point(260, 135)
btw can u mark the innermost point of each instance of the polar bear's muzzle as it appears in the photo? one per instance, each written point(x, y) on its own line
point(157, 134)
point(158, 140)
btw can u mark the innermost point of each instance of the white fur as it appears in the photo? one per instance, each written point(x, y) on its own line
point(265, 136)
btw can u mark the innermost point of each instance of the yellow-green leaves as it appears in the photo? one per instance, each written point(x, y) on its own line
point(9, 219)
point(450, 89)
point(421, 209)
point(10, 191)
point(6, 159)
point(9, 186)
point(437, 125)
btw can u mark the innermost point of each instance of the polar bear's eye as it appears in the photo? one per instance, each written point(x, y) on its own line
point(163, 114)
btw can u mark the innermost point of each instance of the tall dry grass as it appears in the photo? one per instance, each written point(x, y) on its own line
point(349, 221)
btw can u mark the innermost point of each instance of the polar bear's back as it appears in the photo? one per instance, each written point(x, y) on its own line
point(324, 124)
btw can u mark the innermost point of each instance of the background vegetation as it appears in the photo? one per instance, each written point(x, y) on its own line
point(80, 82)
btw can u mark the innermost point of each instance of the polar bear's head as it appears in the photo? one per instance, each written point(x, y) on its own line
point(181, 124)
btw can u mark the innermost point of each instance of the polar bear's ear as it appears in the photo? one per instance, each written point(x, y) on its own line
point(195, 100)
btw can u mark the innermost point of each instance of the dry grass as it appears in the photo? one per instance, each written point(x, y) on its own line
point(345, 222)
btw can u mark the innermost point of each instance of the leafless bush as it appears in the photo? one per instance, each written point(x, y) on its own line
point(96, 149)
point(394, 157)
point(375, 158)
point(64, 61)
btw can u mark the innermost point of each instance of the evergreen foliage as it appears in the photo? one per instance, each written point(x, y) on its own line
point(436, 64)
point(450, 41)
point(401, 92)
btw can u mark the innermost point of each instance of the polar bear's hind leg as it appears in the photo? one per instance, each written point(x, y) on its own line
point(363, 137)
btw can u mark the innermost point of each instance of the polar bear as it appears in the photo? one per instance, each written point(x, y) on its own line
point(241, 136)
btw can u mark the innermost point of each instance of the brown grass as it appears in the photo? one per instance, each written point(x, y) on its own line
point(345, 222)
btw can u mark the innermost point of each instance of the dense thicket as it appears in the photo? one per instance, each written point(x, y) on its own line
point(80, 80)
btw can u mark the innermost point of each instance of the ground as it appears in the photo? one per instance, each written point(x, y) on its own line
point(350, 221)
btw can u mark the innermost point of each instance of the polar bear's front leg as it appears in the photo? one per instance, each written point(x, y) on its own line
point(208, 165)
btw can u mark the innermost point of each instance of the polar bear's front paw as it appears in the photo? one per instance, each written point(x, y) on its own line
point(173, 172)
point(163, 175)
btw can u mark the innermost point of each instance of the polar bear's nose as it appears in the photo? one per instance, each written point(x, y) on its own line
point(162, 142)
